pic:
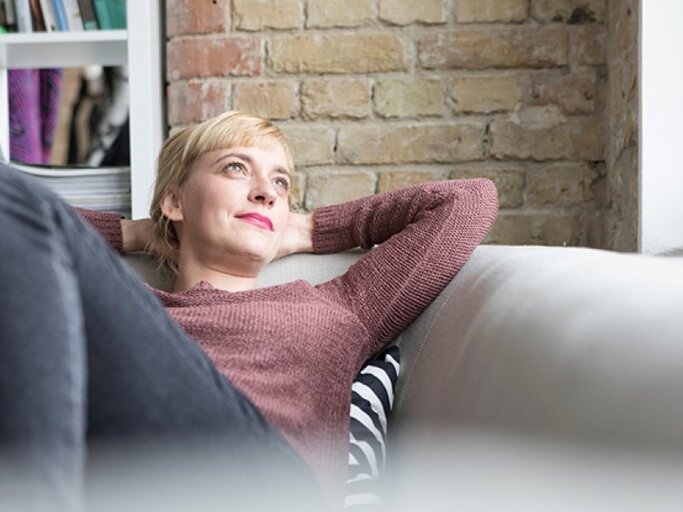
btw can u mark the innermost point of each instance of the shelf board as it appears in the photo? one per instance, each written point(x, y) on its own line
point(63, 49)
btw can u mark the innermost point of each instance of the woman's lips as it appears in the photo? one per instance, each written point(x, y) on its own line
point(258, 220)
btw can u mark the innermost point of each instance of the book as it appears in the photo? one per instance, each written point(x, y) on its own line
point(102, 12)
point(60, 16)
point(117, 13)
point(88, 15)
point(10, 16)
point(3, 17)
point(111, 14)
point(73, 15)
point(37, 16)
point(22, 9)
point(48, 15)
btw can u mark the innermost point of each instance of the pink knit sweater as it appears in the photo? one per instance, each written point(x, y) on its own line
point(294, 349)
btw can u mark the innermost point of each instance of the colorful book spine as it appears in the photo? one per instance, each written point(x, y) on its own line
point(88, 15)
point(37, 16)
point(102, 11)
point(73, 15)
point(10, 16)
point(48, 15)
point(60, 16)
point(111, 14)
point(117, 13)
point(23, 11)
point(3, 17)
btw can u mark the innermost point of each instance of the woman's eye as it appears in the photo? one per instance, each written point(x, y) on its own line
point(281, 183)
point(235, 167)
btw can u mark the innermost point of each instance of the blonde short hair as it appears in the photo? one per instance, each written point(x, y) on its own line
point(181, 151)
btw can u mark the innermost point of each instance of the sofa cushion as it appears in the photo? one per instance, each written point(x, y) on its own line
point(570, 343)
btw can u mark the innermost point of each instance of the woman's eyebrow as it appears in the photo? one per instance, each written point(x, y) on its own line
point(241, 156)
point(248, 159)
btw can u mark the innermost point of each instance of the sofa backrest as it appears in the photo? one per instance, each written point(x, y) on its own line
point(310, 267)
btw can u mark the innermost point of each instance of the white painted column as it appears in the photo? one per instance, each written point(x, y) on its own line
point(661, 127)
point(146, 93)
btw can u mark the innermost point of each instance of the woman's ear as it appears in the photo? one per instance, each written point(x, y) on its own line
point(171, 207)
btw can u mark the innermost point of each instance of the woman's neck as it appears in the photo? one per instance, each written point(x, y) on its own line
point(191, 273)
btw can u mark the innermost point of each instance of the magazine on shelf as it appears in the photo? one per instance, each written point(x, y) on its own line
point(97, 188)
point(68, 170)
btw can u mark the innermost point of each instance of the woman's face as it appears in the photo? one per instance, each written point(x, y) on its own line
point(234, 208)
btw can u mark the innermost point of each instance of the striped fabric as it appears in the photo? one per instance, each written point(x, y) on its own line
point(372, 397)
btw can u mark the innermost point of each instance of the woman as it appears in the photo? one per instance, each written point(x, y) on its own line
point(220, 214)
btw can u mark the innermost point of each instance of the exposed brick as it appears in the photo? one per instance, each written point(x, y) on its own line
point(564, 185)
point(264, 14)
point(190, 17)
point(393, 180)
point(548, 228)
point(298, 191)
point(589, 43)
point(311, 145)
point(189, 102)
point(624, 23)
point(215, 56)
point(623, 216)
point(573, 93)
point(509, 183)
point(333, 13)
point(329, 189)
point(578, 139)
point(624, 119)
point(400, 97)
point(339, 53)
point(492, 93)
point(381, 144)
point(405, 12)
point(336, 99)
point(494, 48)
point(569, 11)
point(486, 11)
point(271, 100)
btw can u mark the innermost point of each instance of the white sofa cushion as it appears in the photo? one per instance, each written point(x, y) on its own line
point(567, 342)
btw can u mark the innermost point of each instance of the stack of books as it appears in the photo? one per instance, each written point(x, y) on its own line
point(61, 15)
point(95, 188)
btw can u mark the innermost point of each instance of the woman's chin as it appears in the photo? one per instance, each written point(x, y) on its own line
point(256, 257)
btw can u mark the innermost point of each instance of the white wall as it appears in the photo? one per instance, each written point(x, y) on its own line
point(661, 127)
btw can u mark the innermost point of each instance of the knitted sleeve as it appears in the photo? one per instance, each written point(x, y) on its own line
point(107, 224)
point(425, 234)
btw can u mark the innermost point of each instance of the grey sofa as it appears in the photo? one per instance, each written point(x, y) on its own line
point(540, 379)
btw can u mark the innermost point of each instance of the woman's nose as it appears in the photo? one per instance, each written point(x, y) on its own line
point(263, 192)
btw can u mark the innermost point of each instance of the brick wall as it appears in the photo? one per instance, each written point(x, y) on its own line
point(622, 142)
point(378, 94)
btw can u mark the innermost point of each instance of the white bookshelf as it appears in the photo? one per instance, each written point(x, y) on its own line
point(138, 47)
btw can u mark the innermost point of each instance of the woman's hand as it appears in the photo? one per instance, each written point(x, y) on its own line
point(137, 234)
point(298, 235)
